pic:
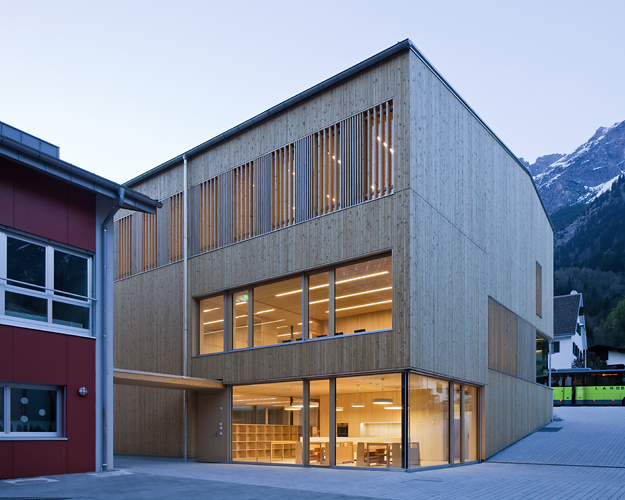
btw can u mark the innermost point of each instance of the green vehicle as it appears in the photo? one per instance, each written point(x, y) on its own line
point(586, 387)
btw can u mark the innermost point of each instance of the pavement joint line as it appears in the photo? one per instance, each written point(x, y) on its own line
point(559, 465)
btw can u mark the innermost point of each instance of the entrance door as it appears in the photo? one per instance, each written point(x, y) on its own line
point(212, 411)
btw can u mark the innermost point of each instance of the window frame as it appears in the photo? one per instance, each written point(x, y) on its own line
point(229, 325)
point(47, 292)
point(5, 418)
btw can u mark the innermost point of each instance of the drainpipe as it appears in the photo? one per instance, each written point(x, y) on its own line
point(185, 254)
point(105, 339)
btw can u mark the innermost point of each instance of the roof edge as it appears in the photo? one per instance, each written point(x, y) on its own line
point(320, 87)
point(302, 96)
point(72, 174)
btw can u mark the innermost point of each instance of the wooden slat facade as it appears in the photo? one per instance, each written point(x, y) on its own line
point(459, 215)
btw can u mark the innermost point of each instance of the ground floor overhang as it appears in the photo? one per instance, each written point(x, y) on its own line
point(164, 381)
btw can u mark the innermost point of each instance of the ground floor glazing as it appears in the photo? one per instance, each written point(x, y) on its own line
point(384, 420)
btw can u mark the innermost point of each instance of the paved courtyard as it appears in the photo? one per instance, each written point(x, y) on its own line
point(581, 456)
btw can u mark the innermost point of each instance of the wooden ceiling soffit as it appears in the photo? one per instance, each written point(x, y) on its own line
point(149, 379)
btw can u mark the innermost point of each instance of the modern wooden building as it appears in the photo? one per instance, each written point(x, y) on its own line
point(56, 297)
point(356, 277)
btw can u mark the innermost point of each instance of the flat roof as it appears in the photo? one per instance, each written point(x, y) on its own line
point(38, 154)
point(398, 48)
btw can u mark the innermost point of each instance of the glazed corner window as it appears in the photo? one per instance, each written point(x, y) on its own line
point(30, 411)
point(44, 284)
point(364, 296)
point(211, 325)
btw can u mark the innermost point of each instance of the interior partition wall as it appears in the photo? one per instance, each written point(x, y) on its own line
point(384, 420)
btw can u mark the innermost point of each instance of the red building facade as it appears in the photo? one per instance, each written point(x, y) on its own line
point(55, 377)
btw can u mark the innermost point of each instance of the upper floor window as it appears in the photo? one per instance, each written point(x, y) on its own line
point(353, 298)
point(43, 284)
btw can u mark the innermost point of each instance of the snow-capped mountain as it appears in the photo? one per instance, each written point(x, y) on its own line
point(581, 176)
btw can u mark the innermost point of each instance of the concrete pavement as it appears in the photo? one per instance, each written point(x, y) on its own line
point(586, 457)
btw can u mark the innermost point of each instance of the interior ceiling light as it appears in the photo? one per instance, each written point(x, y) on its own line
point(363, 305)
point(267, 311)
point(325, 285)
point(209, 310)
point(213, 322)
point(393, 407)
point(358, 405)
point(382, 401)
point(292, 408)
point(339, 408)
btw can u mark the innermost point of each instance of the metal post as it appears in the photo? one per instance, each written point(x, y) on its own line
point(332, 450)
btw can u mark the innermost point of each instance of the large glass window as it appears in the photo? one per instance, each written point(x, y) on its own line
point(44, 284)
point(211, 325)
point(240, 313)
point(267, 422)
point(429, 421)
point(369, 421)
point(364, 296)
point(319, 422)
point(361, 293)
point(471, 406)
point(31, 411)
point(318, 299)
point(278, 312)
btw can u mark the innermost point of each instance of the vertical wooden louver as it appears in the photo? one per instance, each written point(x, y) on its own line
point(262, 194)
point(124, 248)
point(351, 170)
point(283, 187)
point(243, 195)
point(149, 242)
point(328, 170)
point(176, 234)
point(337, 167)
point(378, 151)
point(208, 215)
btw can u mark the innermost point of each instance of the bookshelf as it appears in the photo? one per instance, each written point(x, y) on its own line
point(255, 442)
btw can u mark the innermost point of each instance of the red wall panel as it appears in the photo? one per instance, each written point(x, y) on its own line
point(6, 353)
point(40, 204)
point(80, 410)
point(6, 193)
point(39, 458)
point(6, 459)
point(39, 357)
point(81, 218)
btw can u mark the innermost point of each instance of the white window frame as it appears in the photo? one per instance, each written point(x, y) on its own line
point(47, 292)
point(7, 434)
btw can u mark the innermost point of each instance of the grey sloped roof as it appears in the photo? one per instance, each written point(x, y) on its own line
point(35, 153)
point(565, 311)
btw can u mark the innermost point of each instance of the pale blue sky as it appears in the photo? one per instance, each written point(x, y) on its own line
point(122, 86)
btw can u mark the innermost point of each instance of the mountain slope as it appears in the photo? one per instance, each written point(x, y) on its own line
point(584, 174)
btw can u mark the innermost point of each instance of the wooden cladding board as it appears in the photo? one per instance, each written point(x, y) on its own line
point(148, 321)
point(460, 171)
point(511, 342)
point(513, 409)
point(147, 421)
point(345, 354)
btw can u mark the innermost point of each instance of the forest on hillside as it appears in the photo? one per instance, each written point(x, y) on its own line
point(592, 262)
